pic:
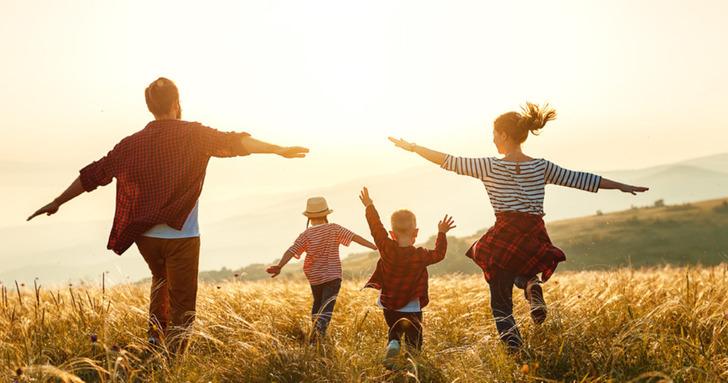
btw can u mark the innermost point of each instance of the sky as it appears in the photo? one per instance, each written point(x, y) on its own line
point(635, 83)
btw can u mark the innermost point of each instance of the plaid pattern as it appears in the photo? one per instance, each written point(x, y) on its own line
point(401, 272)
point(517, 243)
point(159, 172)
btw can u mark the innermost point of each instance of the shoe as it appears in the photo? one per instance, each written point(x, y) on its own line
point(154, 341)
point(534, 295)
point(392, 352)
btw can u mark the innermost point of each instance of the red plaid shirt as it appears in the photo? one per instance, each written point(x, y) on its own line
point(159, 172)
point(401, 272)
point(517, 243)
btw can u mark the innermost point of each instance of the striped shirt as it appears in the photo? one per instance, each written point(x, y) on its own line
point(519, 186)
point(321, 245)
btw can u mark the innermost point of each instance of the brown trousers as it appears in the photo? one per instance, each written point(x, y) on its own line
point(174, 265)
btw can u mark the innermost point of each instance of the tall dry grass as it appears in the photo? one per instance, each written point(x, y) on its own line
point(650, 325)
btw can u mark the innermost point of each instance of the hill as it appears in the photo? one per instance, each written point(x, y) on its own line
point(686, 234)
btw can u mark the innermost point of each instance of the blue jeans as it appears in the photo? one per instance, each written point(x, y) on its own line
point(501, 302)
point(324, 299)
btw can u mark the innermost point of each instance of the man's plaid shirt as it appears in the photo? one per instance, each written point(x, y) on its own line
point(159, 172)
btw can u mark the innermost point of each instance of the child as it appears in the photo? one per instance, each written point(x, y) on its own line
point(517, 247)
point(322, 266)
point(401, 274)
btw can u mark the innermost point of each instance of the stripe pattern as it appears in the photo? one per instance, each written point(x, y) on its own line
point(321, 245)
point(520, 186)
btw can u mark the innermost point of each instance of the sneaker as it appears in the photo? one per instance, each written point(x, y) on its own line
point(392, 352)
point(534, 295)
point(154, 341)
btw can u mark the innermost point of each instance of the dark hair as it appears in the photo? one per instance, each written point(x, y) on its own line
point(161, 96)
point(532, 118)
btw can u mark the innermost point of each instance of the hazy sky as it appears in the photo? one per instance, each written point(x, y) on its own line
point(636, 83)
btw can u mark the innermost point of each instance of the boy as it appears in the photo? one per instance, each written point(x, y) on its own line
point(401, 274)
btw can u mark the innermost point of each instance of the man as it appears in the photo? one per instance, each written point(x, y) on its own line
point(160, 171)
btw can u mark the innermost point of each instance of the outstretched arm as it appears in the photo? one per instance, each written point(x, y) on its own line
point(473, 167)
point(609, 184)
point(276, 269)
point(232, 144)
point(364, 242)
point(428, 154)
point(557, 175)
point(73, 191)
point(438, 254)
point(253, 145)
point(379, 233)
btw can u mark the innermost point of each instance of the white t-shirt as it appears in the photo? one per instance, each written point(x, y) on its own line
point(412, 306)
point(190, 229)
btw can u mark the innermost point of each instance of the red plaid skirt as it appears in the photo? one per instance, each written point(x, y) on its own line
point(517, 243)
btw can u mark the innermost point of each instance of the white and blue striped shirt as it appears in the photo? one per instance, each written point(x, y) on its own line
point(519, 186)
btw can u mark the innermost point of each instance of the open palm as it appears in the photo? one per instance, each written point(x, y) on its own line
point(401, 143)
point(446, 224)
point(292, 152)
point(633, 189)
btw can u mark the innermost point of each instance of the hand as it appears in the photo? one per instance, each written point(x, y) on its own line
point(49, 209)
point(400, 143)
point(446, 224)
point(633, 189)
point(273, 270)
point(292, 152)
point(364, 197)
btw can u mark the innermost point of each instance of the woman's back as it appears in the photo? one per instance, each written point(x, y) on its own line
point(520, 186)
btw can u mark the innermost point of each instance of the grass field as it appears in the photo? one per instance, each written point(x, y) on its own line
point(667, 324)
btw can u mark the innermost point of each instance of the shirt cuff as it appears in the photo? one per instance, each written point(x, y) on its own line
point(447, 164)
point(294, 252)
point(236, 143)
point(594, 187)
point(90, 177)
point(346, 241)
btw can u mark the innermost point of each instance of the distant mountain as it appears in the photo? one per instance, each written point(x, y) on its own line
point(685, 234)
point(257, 229)
point(717, 163)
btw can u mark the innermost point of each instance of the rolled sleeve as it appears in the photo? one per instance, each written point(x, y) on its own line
point(221, 144)
point(97, 173)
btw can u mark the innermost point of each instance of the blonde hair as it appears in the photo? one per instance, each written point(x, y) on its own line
point(403, 221)
point(532, 118)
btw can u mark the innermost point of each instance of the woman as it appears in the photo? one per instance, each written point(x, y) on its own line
point(517, 248)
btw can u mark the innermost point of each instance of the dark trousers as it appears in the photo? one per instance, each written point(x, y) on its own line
point(324, 299)
point(501, 302)
point(407, 324)
point(173, 295)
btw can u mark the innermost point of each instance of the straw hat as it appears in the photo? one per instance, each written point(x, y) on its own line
point(317, 207)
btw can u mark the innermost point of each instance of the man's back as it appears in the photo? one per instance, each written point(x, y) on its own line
point(160, 171)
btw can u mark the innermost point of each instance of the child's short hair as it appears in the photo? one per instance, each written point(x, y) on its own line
point(403, 221)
